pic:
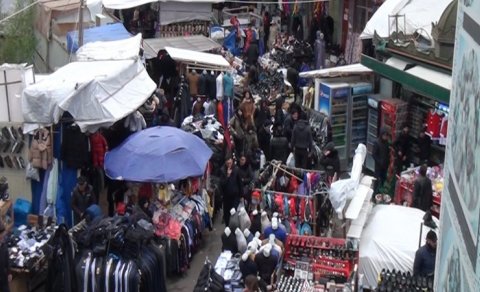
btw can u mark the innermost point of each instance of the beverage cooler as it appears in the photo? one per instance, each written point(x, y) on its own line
point(359, 114)
point(333, 100)
point(373, 129)
point(394, 116)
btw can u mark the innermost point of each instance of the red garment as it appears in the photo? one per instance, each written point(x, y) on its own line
point(99, 148)
point(145, 191)
point(279, 202)
point(434, 121)
point(293, 185)
point(444, 127)
point(249, 33)
point(293, 207)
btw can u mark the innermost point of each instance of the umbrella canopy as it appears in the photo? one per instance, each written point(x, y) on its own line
point(158, 154)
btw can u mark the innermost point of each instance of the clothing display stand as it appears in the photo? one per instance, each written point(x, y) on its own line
point(290, 212)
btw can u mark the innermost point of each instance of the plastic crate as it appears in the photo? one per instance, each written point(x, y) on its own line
point(21, 209)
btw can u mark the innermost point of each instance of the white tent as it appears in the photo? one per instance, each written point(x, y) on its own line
point(390, 240)
point(419, 15)
point(200, 59)
point(96, 91)
point(197, 43)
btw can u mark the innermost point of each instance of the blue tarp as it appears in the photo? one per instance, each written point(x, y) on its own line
point(109, 32)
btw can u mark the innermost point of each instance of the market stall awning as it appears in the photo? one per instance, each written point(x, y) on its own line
point(413, 15)
point(124, 4)
point(341, 71)
point(97, 93)
point(198, 59)
point(197, 43)
point(109, 32)
point(418, 78)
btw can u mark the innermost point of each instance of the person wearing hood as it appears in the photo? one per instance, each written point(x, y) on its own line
point(301, 143)
point(330, 160)
point(279, 145)
point(252, 53)
point(319, 51)
point(246, 176)
point(381, 156)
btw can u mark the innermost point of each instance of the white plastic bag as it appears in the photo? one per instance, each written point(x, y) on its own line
point(291, 160)
point(32, 172)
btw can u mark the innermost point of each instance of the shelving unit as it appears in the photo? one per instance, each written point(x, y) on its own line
point(373, 127)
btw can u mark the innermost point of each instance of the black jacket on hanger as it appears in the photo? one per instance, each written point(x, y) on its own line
point(75, 147)
point(211, 86)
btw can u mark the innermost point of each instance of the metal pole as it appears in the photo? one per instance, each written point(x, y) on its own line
point(80, 24)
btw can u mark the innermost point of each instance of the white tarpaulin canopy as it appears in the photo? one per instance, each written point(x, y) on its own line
point(189, 57)
point(390, 240)
point(419, 15)
point(347, 70)
point(124, 4)
point(197, 43)
point(97, 93)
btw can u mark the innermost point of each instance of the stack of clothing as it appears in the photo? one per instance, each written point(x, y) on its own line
point(28, 247)
point(228, 267)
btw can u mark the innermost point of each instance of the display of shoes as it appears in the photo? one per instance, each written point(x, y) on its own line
point(401, 281)
point(12, 146)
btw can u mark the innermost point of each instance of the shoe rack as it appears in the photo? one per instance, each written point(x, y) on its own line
point(14, 159)
point(328, 257)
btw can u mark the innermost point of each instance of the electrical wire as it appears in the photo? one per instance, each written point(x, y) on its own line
point(18, 12)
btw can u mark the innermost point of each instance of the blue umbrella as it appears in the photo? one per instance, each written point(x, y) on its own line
point(158, 154)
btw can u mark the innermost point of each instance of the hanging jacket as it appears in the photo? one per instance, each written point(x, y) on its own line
point(99, 148)
point(75, 147)
point(40, 154)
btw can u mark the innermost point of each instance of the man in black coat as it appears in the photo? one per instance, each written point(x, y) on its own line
point(302, 143)
point(232, 187)
point(381, 156)
point(422, 190)
point(279, 145)
point(5, 276)
point(402, 146)
point(330, 160)
point(252, 54)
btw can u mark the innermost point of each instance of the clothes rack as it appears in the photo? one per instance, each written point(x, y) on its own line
point(314, 199)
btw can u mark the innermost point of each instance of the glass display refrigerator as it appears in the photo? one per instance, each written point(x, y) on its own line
point(333, 100)
point(359, 114)
point(373, 128)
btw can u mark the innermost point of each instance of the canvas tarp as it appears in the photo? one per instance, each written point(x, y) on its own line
point(96, 92)
point(419, 15)
point(189, 57)
point(13, 79)
point(390, 240)
point(109, 32)
point(197, 43)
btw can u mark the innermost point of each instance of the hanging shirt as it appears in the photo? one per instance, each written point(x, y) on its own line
point(219, 82)
point(227, 85)
point(434, 121)
point(192, 79)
